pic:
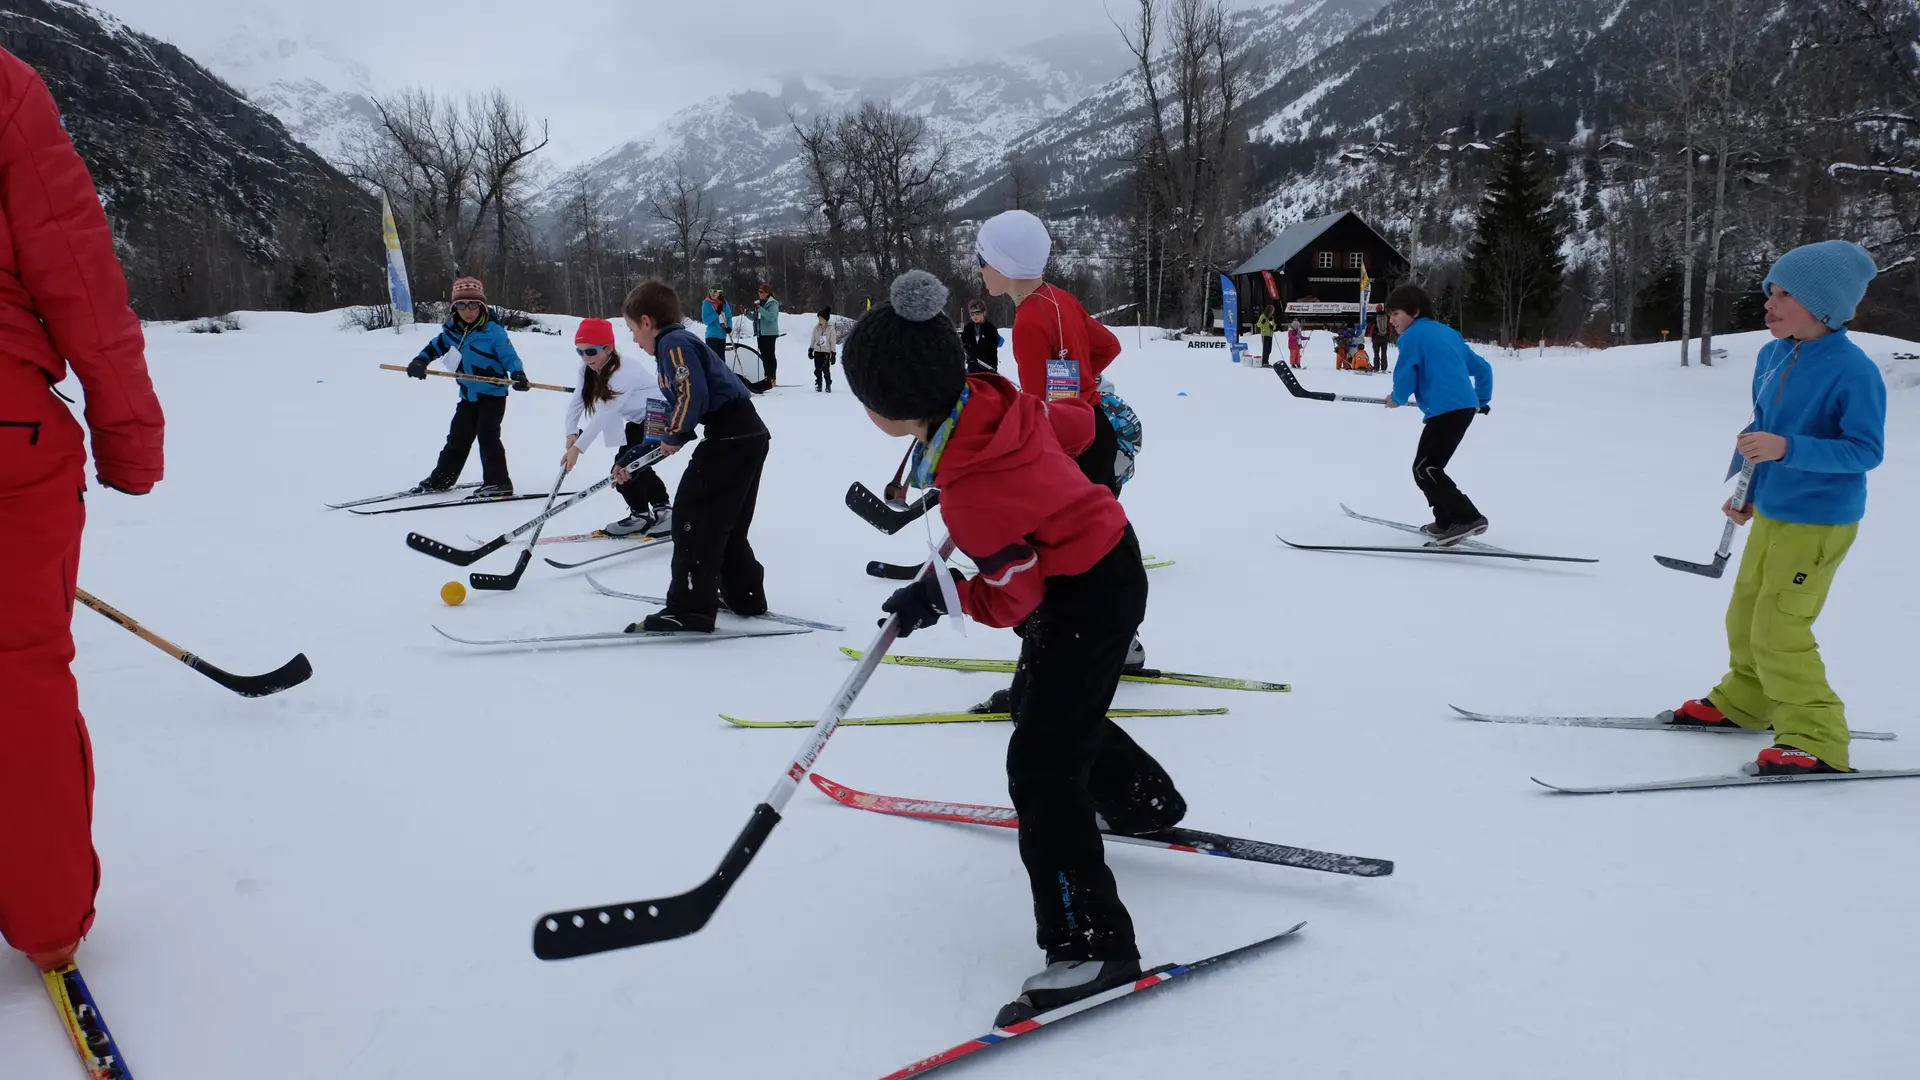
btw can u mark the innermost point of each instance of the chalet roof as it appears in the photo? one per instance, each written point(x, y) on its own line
point(1294, 239)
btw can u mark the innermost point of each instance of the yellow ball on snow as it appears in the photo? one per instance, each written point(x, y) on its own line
point(453, 592)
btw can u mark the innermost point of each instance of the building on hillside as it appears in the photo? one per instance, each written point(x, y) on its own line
point(1311, 272)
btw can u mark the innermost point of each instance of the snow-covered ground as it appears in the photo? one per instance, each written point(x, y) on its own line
point(340, 881)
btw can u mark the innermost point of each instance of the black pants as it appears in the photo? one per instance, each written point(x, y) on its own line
point(712, 511)
point(1266, 347)
point(1066, 760)
point(645, 490)
point(767, 361)
point(823, 370)
point(1438, 440)
point(1097, 460)
point(719, 347)
point(479, 418)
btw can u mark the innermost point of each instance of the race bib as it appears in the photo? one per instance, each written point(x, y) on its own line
point(1063, 379)
point(656, 419)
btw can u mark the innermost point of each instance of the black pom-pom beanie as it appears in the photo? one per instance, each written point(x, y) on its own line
point(904, 359)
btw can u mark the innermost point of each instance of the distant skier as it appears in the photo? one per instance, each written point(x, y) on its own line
point(822, 347)
point(1265, 326)
point(1296, 341)
point(1059, 350)
point(1379, 330)
point(622, 404)
point(717, 315)
point(766, 327)
point(982, 340)
point(1820, 413)
point(63, 300)
point(1452, 383)
point(713, 561)
point(481, 347)
point(1057, 558)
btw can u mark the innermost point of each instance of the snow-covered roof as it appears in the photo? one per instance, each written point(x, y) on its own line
point(1294, 239)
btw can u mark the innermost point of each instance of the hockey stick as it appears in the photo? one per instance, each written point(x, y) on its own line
point(1719, 564)
point(427, 545)
point(563, 935)
point(882, 515)
point(292, 673)
point(480, 378)
point(1294, 388)
point(509, 582)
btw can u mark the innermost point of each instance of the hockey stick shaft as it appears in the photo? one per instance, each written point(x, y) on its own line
point(294, 672)
point(1739, 502)
point(426, 545)
point(480, 378)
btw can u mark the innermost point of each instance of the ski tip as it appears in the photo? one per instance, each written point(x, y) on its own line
point(851, 654)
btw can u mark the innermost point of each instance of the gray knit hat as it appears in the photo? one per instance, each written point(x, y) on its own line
point(904, 359)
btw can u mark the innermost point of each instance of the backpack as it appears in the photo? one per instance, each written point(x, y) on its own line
point(1126, 432)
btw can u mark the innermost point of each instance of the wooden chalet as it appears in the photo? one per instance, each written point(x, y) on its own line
point(1311, 272)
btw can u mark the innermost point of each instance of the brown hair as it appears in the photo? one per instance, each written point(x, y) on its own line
point(655, 300)
point(597, 386)
point(1411, 299)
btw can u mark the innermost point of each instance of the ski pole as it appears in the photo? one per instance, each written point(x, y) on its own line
point(479, 378)
point(563, 935)
point(292, 673)
point(427, 545)
point(1725, 551)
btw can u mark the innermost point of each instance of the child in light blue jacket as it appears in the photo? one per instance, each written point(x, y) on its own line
point(1452, 383)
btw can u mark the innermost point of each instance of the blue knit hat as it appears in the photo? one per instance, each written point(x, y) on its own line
point(1828, 278)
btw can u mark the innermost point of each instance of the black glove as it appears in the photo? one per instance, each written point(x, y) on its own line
point(417, 369)
point(919, 605)
point(520, 381)
point(1485, 409)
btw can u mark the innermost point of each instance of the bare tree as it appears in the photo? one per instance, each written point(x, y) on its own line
point(885, 182)
point(1023, 183)
point(682, 204)
point(827, 182)
point(506, 149)
point(583, 214)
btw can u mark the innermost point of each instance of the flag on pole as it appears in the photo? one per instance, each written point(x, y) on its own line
point(397, 289)
point(1230, 316)
point(1366, 295)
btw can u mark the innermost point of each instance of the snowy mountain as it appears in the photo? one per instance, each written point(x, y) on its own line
point(742, 145)
point(215, 205)
point(317, 90)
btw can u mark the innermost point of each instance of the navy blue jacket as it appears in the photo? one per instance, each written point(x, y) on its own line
point(484, 350)
point(695, 382)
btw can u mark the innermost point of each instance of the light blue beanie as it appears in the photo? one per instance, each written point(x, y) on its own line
point(1828, 278)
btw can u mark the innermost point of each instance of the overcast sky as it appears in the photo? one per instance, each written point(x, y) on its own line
point(606, 70)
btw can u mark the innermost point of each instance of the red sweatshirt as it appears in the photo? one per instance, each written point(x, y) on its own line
point(1061, 352)
point(1017, 504)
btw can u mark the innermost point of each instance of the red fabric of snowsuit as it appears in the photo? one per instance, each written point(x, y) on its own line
point(1060, 351)
point(63, 299)
point(1016, 504)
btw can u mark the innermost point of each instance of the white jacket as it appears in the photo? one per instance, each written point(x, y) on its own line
point(633, 386)
point(825, 339)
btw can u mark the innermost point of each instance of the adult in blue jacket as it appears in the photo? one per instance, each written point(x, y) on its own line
point(1819, 420)
point(713, 562)
point(478, 345)
point(1452, 383)
point(717, 314)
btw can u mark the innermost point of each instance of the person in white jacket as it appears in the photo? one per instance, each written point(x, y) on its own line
point(622, 405)
point(825, 342)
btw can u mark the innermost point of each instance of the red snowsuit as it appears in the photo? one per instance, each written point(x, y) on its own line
point(63, 299)
point(1061, 351)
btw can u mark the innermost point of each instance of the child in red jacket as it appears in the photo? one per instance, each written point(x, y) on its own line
point(1059, 562)
point(63, 300)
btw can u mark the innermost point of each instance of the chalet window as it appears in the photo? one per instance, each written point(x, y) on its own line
point(1326, 260)
point(1357, 261)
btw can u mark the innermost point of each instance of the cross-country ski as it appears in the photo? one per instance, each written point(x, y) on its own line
point(872, 379)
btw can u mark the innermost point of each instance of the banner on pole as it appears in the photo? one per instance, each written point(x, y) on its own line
point(1366, 294)
point(1230, 316)
point(397, 289)
point(1273, 287)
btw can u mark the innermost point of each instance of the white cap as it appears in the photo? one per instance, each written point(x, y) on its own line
point(1016, 244)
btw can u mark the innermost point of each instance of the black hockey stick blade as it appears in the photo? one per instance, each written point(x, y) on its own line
point(564, 935)
point(427, 545)
point(502, 582)
point(1293, 385)
point(1712, 570)
point(290, 674)
point(892, 571)
point(880, 514)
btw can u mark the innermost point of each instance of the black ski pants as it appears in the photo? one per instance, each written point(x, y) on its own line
point(646, 490)
point(1098, 459)
point(1066, 761)
point(823, 370)
point(480, 418)
point(1438, 440)
point(769, 365)
point(712, 511)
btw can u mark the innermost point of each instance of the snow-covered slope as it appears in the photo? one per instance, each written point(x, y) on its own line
point(344, 876)
point(315, 86)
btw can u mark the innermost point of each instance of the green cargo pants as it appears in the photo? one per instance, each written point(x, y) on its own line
point(1776, 678)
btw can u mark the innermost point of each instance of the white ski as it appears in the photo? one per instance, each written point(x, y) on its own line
point(637, 636)
point(1634, 723)
point(1725, 781)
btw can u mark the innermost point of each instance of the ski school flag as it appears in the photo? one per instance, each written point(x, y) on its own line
point(397, 289)
point(1230, 316)
point(1273, 287)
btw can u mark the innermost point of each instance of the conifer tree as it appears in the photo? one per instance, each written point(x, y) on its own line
point(1514, 265)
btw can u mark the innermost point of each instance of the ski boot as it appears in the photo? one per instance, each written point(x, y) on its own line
point(432, 485)
point(667, 620)
point(1453, 534)
point(493, 491)
point(1136, 658)
point(1700, 713)
point(1432, 530)
point(1000, 701)
point(1063, 983)
point(1778, 760)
